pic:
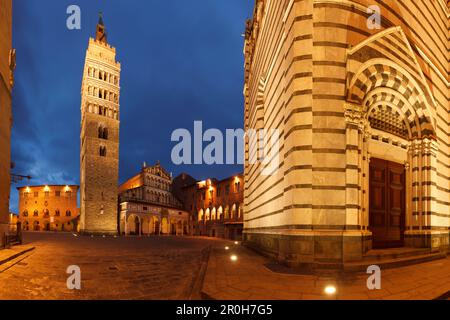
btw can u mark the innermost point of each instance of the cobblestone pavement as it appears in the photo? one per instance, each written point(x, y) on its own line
point(248, 278)
point(111, 268)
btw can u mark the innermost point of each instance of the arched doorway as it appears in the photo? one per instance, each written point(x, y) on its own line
point(156, 226)
point(180, 228)
point(164, 226)
point(133, 225)
point(200, 215)
point(389, 122)
point(36, 226)
point(137, 226)
point(173, 228)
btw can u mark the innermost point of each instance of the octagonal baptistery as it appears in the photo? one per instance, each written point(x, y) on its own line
point(359, 102)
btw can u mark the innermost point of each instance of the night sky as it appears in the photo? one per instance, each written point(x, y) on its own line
point(181, 61)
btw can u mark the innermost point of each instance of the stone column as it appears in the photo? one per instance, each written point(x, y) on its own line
point(423, 217)
point(357, 135)
point(408, 191)
point(354, 137)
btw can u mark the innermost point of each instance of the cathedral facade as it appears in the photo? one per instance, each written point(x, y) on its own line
point(358, 91)
point(100, 120)
point(148, 205)
point(7, 64)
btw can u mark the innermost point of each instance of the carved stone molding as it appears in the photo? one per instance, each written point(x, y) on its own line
point(355, 116)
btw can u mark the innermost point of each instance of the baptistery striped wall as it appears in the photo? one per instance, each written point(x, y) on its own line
point(302, 58)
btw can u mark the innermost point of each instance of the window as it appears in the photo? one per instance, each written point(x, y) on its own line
point(58, 194)
point(47, 194)
point(227, 190)
point(36, 194)
point(102, 151)
point(68, 194)
point(46, 213)
point(57, 213)
point(25, 213)
point(237, 186)
point(145, 208)
point(103, 133)
point(68, 213)
point(36, 213)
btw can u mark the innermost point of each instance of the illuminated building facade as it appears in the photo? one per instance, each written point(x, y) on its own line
point(363, 113)
point(148, 206)
point(7, 65)
point(49, 208)
point(216, 207)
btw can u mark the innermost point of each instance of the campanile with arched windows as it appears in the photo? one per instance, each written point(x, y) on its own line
point(99, 158)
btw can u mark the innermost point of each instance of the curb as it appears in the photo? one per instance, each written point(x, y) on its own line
point(445, 296)
point(14, 256)
point(197, 287)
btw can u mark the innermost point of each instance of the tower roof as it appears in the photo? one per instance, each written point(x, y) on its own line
point(100, 18)
point(101, 32)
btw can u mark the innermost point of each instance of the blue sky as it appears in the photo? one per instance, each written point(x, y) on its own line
point(181, 61)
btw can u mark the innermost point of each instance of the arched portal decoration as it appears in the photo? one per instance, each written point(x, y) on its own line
point(389, 115)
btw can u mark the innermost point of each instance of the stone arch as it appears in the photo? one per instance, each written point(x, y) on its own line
point(389, 80)
point(165, 225)
point(240, 210)
point(201, 213)
point(385, 99)
point(134, 224)
point(227, 212)
point(155, 225)
point(213, 214)
point(220, 213)
point(233, 211)
point(208, 214)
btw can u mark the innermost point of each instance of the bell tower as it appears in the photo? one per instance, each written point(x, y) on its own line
point(100, 122)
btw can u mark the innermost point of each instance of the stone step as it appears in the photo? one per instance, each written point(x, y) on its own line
point(386, 254)
point(389, 263)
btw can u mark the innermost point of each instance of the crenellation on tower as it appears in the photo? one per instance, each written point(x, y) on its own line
point(100, 128)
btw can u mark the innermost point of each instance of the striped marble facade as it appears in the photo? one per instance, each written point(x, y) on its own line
point(341, 93)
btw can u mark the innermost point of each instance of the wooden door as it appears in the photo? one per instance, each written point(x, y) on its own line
point(387, 203)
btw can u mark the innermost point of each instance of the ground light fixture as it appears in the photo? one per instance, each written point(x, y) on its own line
point(233, 258)
point(227, 248)
point(330, 290)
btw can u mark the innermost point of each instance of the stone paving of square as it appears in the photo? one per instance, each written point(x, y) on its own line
point(248, 278)
point(150, 268)
point(168, 268)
